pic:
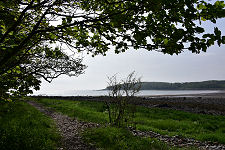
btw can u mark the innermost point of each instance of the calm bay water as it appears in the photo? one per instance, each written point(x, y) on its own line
point(141, 93)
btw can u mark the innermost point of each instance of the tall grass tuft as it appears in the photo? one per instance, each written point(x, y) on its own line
point(22, 127)
point(112, 138)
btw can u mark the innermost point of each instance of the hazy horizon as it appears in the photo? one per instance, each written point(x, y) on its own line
point(151, 65)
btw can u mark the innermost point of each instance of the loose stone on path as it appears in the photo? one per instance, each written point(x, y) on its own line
point(179, 141)
point(70, 129)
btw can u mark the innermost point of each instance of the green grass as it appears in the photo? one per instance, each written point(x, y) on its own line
point(82, 110)
point(111, 138)
point(22, 127)
point(171, 122)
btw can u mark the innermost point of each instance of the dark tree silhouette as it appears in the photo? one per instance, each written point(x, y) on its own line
point(32, 31)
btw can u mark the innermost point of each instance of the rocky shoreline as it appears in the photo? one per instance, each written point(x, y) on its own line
point(208, 103)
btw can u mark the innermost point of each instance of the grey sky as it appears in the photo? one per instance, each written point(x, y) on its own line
point(152, 66)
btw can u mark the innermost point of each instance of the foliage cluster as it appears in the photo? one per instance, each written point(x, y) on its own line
point(23, 127)
point(36, 35)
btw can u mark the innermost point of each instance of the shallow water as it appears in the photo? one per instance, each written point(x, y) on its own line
point(141, 93)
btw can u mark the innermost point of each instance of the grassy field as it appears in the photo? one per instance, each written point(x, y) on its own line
point(170, 122)
point(22, 127)
point(199, 126)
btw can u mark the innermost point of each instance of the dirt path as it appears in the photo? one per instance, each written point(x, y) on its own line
point(70, 129)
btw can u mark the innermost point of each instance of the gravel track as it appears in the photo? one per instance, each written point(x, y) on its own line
point(70, 129)
point(179, 141)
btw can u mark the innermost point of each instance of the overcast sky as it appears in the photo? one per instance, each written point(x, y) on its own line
point(152, 66)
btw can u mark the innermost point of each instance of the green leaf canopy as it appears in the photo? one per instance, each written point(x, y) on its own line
point(35, 35)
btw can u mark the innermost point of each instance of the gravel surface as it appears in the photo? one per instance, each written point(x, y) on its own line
point(70, 129)
point(179, 141)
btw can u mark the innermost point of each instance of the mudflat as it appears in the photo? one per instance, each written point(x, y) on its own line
point(206, 103)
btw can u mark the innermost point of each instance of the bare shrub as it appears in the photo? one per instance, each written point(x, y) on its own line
point(121, 111)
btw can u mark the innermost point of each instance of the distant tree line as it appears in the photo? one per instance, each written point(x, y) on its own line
point(204, 85)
